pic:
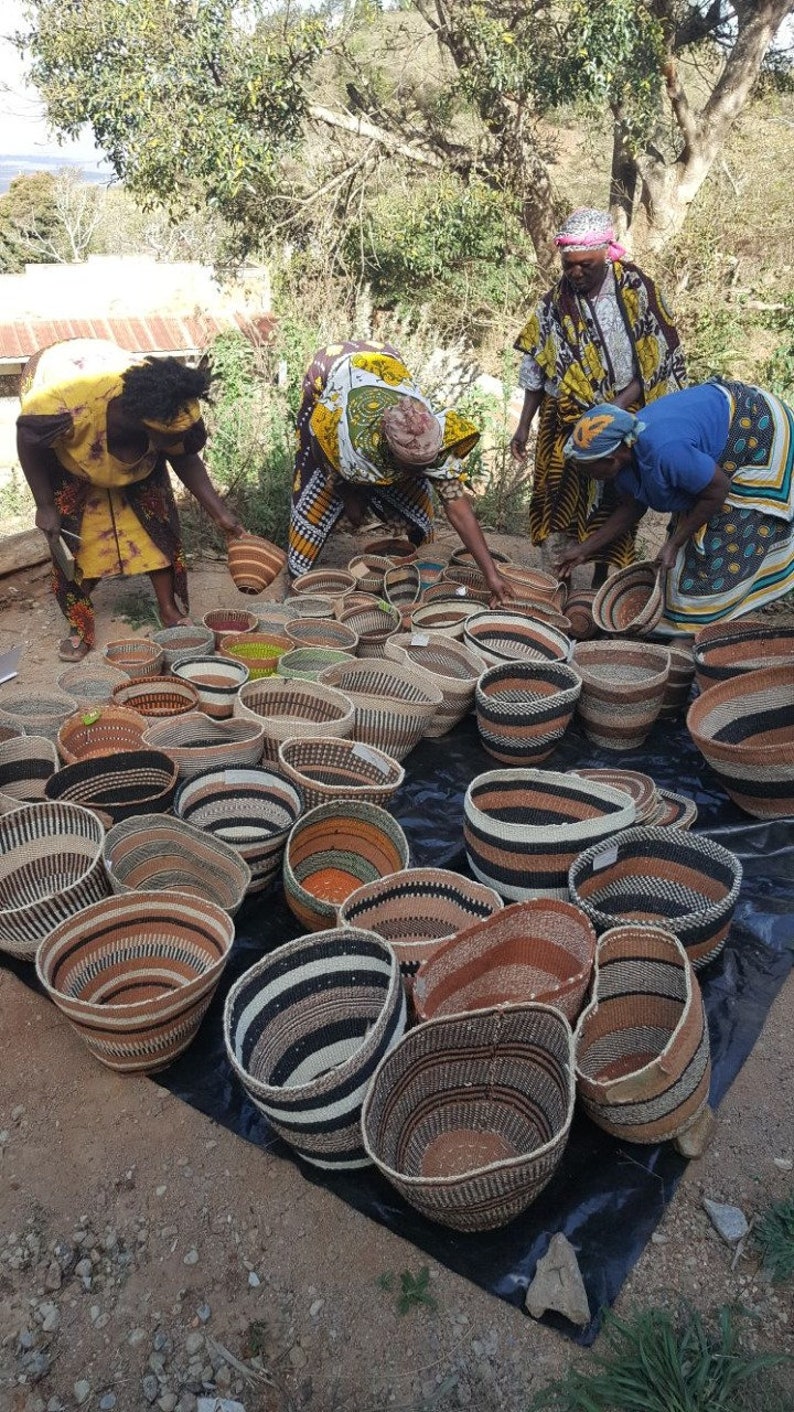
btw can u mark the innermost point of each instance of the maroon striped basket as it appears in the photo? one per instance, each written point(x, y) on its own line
point(254, 562)
point(368, 571)
point(105, 730)
point(157, 696)
point(725, 650)
point(641, 788)
point(631, 601)
point(579, 612)
point(325, 769)
point(675, 811)
point(525, 708)
point(374, 626)
point(196, 742)
point(744, 728)
point(623, 686)
point(446, 616)
point(679, 682)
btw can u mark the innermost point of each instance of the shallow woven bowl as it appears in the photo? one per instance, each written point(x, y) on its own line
point(328, 583)
point(157, 854)
point(36, 713)
point(254, 562)
point(623, 686)
point(630, 601)
point(273, 617)
point(469, 1115)
point(155, 697)
point(222, 622)
point(510, 637)
point(679, 682)
point(449, 666)
point(307, 663)
point(726, 650)
point(444, 591)
point(373, 626)
point(542, 613)
point(658, 877)
point(105, 730)
point(184, 643)
point(418, 910)
point(467, 575)
point(675, 811)
point(118, 786)
point(258, 651)
point(396, 550)
point(392, 705)
point(251, 810)
point(217, 681)
point(195, 742)
point(26, 763)
point(368, 571)
point(444, 616)
point(532, 583)
point(522, 829)
point(89, 684)
point(327, 769)
point(643, 1063)
point(135, 655)
point(50, 869)
point(579, 612)
point(322, 632)
point(744, 729)
point(332, 850)
point(525, 708)
point(641, 787)
point(312, 605)
point(134, 975)
point(285, 709)
point(304, 1029)
point(541, 950)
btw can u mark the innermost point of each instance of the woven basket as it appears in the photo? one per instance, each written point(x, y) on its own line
point(254, 562)
point(50, 869)
point(374, 626)
point(541, 951)
point(523, 828)
point(326, 769)
point(157, 696)
point(195, 742)
point(524, 709)
point(630, 601)
point(679, 682)
point(675, 811)
point(328, 583)
point(579, 612)
point(222, 622)
point(643, 1063)
point(134, 975)
point(157, 854)
point(26, 763)
point(322, 632)
point(510, 637)
point(217, 681)
point(304, 1029)
point(398, 551)
point(667, 878)
point(466, 558)
point(444, 591)
point(36, 713)
point(368, 571)
point(393, 705)
point(251, 810)
point(183, 643)
point(285, 709)
point(418, 910)
point(136, 656)
point(744, 728)
point(10, 732)
point(623, 686)
point(641, 788)
point(313, 605)
point(469, 575)
point(452, 668)
point(402, 586)
point(531, 583)
point(447, 616)
point(430, 571)
point(118, 786)
point(107, 730)
point(307, 663)
point(258, 651)
point(90, 684)
point(542, 613)
point(726, 650)
point(332, 850)
point(469, 1116)
point(273, 617)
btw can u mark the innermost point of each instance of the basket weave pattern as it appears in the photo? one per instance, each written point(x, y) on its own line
point(26, 763)
point(287, 709)
point(392, 704)
point(623, 686)
point(630, 601)
point(725, 650)
point(328, 583)
point(259, 651)
point(157, 696)
point(251, 810)
point(326, 769)
point(184, 642)
point(106, 730)
point(39, 713)
point(306, 663)
point(510, 637)
point(525, 708)
point(373, 626)
point(50, 869)
point(417, 911)
point(254, 562)
point(196, 742)
point(222, 622)
point(452, 668)
point(217, 681)
point(744, 728)
point(156, 854)
point(135, 656)
point(119, 786)
point(89, 684)
point(332, 850)
point(322, 632)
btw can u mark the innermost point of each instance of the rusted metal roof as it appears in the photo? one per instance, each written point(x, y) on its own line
point(19, 338)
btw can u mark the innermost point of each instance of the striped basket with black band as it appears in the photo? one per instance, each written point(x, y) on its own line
point(119, 786)
point(450, 666)
point(332, 850)
point(675, 811)
point(217, 681)
point(623, 686)
point(744, 729)
point(50, 869)
point(286, 709)
point(326, 769)
point(252, 810)
point(724, 650)
point(446, 616)
point(525, 708)
point(510, 637)
point(196, 742)
point(641, 787)
point(157, 697)
point(153, 853)
point(373, 625)
point(679, 682)
point(393, 705)
point(26, 763)
point(402, 586)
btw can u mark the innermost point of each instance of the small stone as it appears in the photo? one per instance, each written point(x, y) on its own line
point(150, 1387)
point(107, 1402)
point(253, 1279)
point(783, 1164)
point(54, 1277)
point(194, 1343)
point(204, 1313)
point(167, 1402)
point(55, 1405)
point(84, 1269)
point(315, 1308)
point(729, 1222)
point(558, 1284)
point(160, 1190)
point(36, 1365)
point(25, 1340)
point(658, 1239)
point(160, 1341)
point(694, 1140)
point(186, 1403)
point(223, 1378)
point(51, 1317)
point(102, 1321)
point(297, 1357)
point(192, 1257)
point(17, 1113)
point(136, 1336)
point(218, 1404)
point(82, 1391)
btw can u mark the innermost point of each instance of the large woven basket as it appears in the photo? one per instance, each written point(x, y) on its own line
point(444, 591)
point(679, 682)
point(541, 950)
point(579, 612)
point(523, 828)
point(630, 601)
point(726, 650)
point(157, 854)
point(510, 637)
point(368, 571)
point(373, 626)
point(254, 562)
point(222, 622)
point(286, 709)
point(659, 877)
point(196, 742)
point(134, 975)
point(136, 656)
point(643, 1064)
point(90, 683)
point(26, 763)
point(469, 1115)
point(36, 713)
point(332, 850)
point(532, 583)
point(183, 643)
point(525, 708)
point(623, 686)
point(446, 616)
point(322, 632)
point(640, 787)
point(50, 869)
point(156, 697)
point(329, 583)
point(251, 810)
point(118, 786)
point(106, 730)
point(304, 1029)
point(393, 705)
point(418, 910)
point(308, 663)
point(542, 612)
point(327, 769)
point(744, 728)
point(450, 666)
point(259, 651)
point(217, 681)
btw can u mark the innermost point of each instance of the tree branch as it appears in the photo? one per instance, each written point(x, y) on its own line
point(360, 127)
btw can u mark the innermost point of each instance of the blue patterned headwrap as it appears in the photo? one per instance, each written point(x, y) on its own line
point(600, 432)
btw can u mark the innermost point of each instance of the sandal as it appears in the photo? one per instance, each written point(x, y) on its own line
point(73, 649)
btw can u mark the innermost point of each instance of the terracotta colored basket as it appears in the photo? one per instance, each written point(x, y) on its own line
point(26, 763)
point(630, 601)
point(157, 696)
point(258, 651)
point(134, 975)
point(136, 656)
point(531, 583)
point(643, 1064)
point(541, 950)
point(623, 686)
point(217, 681)
point(368, 571)
point(36, 713)
point(106, 730)
point(90, 684)
point(222, 622)
point(322, 632)
point(744, 728)
point(157, 854)
point(679, 682)
point(443, 616)
point(329, 583)
point(522, 829)
point(374, 626)
point(118, 786)
point(452, 668)
point(469, 1115)
point(254, 563)
point(525, 708)
point(183, 643)
point(195, 742)
point(308, 663)
point(331, 851)
point(325, 769)
point(251, 810)
point(393, 705)
point(579, 612)
point(726, 650)
point(510, 637)
point(641, 788)
point(285, 709)
point(657, 877)
point(50, 869)
point(304, 1028)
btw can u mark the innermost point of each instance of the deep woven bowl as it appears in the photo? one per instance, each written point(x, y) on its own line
point(542, 613)
point(469, 575)
point(418, 910)
point(251, 810)
point(332, 850)
point(304, 1029)
point(104, 730)
point(136, 656)
point(446, 616)
point(286, 709)
point(531, 583)
point(120, 785)
point(156, 697)
point(217, 681)
point(523, 828)
point(510, 637)
point(157, 854)
point(541, 950)
point(579, 612)
point(373, 627)
point(329, 583)
point(89, 684)
point(183, 643)
point(50, 869)
point(196, 742)
point(36, 713)
point(525, 708)
point(726, 650)
point(254, 562)
point(657, 877)
point(222, 622)
point(26, 763)
point(451, 667)
point(469, 1115)
point(679, 682)
point(675, 811)
point(744, 728)
point(643, 1064)
point(623, 686)
point(259, 651)
point(307, 663)
point(393, 705)
point(402, 586)
point(327, 769)
point(368, 571)
point(322, 632)
point(134, 975)
point(640, 787)
point(273, 617)
point(630, 601)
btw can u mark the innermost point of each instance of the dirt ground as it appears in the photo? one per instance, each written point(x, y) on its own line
point(149, 1257)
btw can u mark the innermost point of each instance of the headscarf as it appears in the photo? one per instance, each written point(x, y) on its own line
point(412, 432)
point(589, 229)
point(600, 432)
point(186, 417)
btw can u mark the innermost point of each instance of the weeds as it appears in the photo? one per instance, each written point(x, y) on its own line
point(774, 1235)
point(137, 609)
point(414, 1289)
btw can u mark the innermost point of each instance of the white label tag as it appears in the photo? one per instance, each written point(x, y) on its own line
point(364, 753)
point(359, 571)
point(605, 859)
point(420, 639)
point(460, 592)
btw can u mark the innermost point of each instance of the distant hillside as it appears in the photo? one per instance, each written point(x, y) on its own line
point(14, 164)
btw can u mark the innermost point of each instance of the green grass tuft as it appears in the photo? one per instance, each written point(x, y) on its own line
point(774, 1234)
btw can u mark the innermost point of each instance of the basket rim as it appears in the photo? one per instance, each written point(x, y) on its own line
point(208, 724)
point(360, 809)
point(349, 745)
point(477, 890)
point(652, 609)
point(146, 823)
point(520, 833)
point(221, 773)
point(181, 668)
point(652, 833)
point(96, 845)
point(729, 692)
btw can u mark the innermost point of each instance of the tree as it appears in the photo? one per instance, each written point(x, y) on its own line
point(48, 217)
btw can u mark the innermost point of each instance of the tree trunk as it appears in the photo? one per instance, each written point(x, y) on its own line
point(622, 183)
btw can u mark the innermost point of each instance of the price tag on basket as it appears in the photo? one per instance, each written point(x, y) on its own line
point(363, 753)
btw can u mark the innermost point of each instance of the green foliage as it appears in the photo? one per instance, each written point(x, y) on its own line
point(414, 1289)
point(779, 372)
point(774, 1234)
point(137, 608)
point(28, 221)
point(502, 487)
point(612, 56)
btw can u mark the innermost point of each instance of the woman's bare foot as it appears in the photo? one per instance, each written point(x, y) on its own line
point(73, 648)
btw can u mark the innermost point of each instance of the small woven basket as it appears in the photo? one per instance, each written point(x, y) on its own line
point(107, 730)
point(643, 1063)
point(525, 708)
point(157, 854)
point(368, 571)
point(397, 551)
point(679, 682)
point(444, 591)
point(542, 613)
point(50, 869)
point(540, 950)
point(326, 769)
point(630, 601)
point(322, 632)
point(258, 651)
point(393, 705)
point(284, 709)
point(532, 583)
point(510, 637)
point(675, 811)
point(579, 612)
point(134, 975)
point(307, 663)
point(373, 626)
point(725, 650)
point(217, 681)
point(659, 877)
point(640, 787)
point(195, 742)
point(430, 571)
point(744, 729)
point(26, 763)
point(623, 686)
point(273, 617)
point(222, 622)
point(402, 586)
point(118, 786)
point(332, 850)
point(251, 810)
point(467, 575)
point(312, 605)
point(449, 666)
point(157, 696)
point(90, 684)
point(36, 713)
point(328, 583)
point(183, 643)
point(444, 616)
point(136, 656)
point(469, 1115)
point(304, 1028)
point(254, 563)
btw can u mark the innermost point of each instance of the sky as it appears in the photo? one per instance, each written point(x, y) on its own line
point(22, 125)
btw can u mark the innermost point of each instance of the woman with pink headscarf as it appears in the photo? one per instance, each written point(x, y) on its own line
point(603, 333)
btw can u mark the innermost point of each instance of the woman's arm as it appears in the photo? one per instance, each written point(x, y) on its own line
point(38, 464)
point(193, 473)
point(533, 396)
point(630, 395)
point(464, 522)
point(628, 513)
point(710, 500)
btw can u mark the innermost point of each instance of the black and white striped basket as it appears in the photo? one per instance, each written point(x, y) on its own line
point(525, 708)
point(251, 810)
point(512, 637)
point(26, 763)
point(50, 869)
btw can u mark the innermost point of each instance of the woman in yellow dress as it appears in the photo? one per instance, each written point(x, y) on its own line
point(95, 432)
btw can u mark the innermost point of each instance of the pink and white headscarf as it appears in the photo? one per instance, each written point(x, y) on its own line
point(588, 229)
